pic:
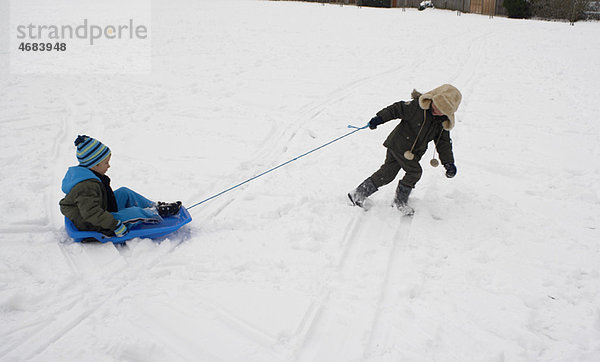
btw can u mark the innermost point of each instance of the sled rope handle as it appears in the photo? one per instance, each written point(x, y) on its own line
point(356, 129)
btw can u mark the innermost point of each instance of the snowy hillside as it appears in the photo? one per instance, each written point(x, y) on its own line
point(500, 263)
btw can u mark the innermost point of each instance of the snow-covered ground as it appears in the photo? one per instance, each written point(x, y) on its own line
point(500, 263)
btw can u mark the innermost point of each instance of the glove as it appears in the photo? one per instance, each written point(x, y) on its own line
point(450, 170)
point(375, 121)
point(121, 230)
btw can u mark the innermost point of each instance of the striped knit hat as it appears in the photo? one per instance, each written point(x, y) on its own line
point(90, 151)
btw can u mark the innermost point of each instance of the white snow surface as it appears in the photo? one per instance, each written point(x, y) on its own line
point(500, 263)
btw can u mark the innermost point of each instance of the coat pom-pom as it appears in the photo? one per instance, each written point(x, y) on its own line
point(80, 139)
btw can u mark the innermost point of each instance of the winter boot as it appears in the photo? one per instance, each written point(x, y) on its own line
point(401, 200)
point(359, 195)
point(166, 209)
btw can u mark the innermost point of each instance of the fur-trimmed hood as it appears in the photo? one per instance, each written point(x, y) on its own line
point(447, 98)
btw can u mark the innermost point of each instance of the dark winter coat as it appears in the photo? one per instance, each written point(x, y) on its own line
point(413, 116)
point(86, 203)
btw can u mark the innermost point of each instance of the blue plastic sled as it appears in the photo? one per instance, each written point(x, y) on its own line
point(150, 231)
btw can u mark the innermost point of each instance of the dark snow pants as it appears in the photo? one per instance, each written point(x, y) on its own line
point(392, 165)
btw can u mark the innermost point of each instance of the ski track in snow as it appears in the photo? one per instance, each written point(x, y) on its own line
point(497, 264)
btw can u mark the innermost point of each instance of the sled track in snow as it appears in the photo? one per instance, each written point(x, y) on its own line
point(349, 309)
point(385, 300)
point(112, 271)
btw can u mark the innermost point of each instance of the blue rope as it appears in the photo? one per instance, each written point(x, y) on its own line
point(356, 129)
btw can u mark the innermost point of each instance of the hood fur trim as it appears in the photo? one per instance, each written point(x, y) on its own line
point(446, 98)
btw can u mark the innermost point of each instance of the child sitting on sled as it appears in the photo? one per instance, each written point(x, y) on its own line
point(92, 205)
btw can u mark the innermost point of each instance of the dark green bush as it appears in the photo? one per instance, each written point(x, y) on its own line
point(519, 9)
